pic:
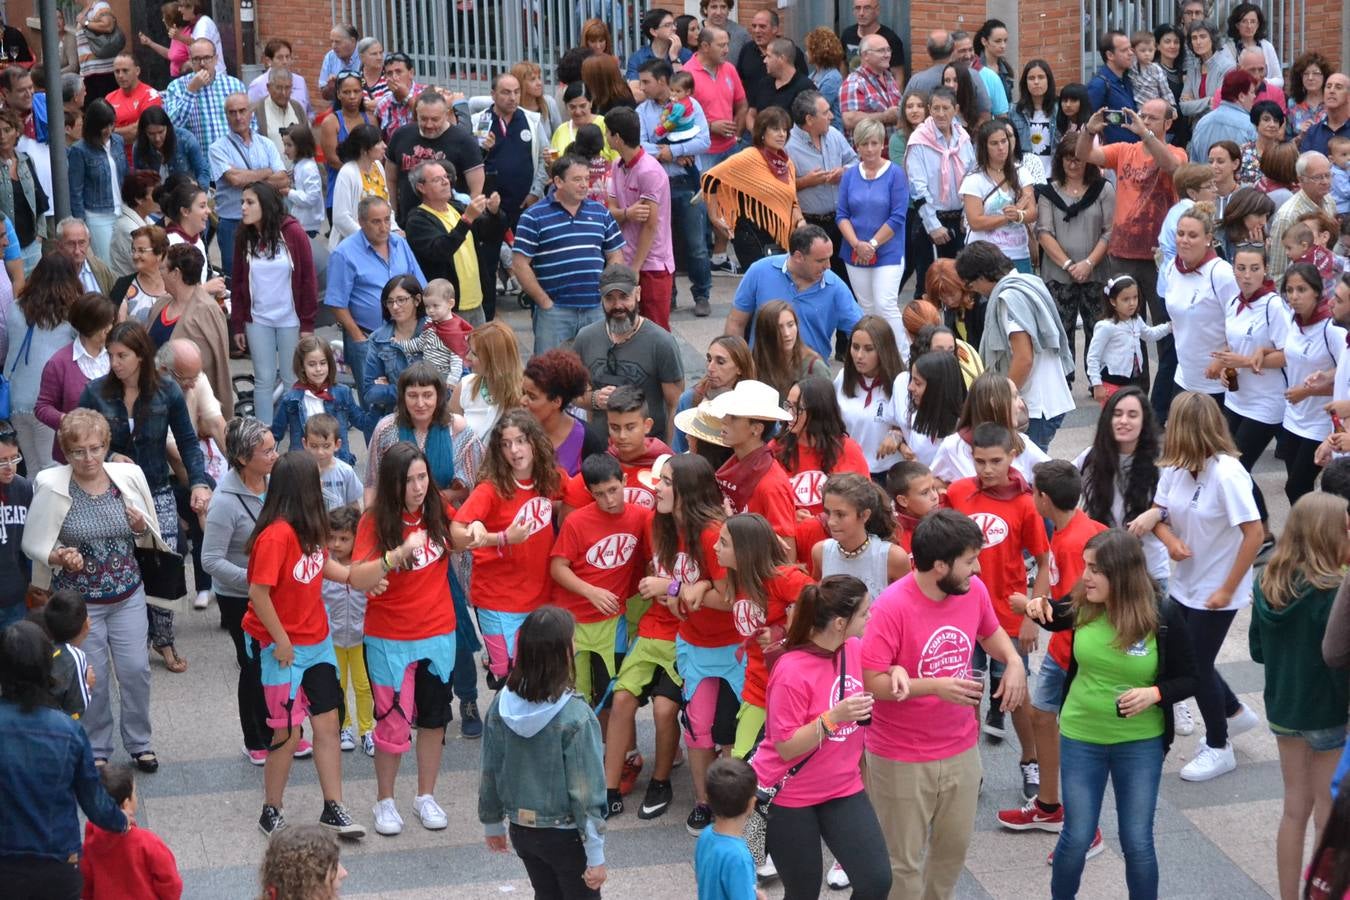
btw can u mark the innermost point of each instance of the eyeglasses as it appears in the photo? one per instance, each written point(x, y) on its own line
point(204, 59)
point(398, 301)
point(83, 453)
point(11, 463)
point(1323, 177)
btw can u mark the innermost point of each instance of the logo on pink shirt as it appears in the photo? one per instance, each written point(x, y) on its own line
point(946, 654)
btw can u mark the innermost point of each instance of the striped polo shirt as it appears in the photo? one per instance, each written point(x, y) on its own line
point(567, 252)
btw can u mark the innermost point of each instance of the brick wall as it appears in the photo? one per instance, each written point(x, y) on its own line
point(1051, 30)
point(1323, 23)
point(305, 23)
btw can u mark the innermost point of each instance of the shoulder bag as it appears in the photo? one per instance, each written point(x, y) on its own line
point(24, 349)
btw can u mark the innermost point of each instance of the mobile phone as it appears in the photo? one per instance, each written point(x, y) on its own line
point(1115, 117)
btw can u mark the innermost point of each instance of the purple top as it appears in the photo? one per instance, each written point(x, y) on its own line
point(59, 392)
point(569, 452)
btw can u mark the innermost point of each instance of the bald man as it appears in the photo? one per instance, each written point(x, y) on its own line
point(871, 91)
point(941, 48)
point(131, 98)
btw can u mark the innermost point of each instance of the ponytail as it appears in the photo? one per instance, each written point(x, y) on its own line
point(836, 597)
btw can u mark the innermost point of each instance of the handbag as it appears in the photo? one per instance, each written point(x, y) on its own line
point(105, 46)
point(24, 349)
point(162, 573)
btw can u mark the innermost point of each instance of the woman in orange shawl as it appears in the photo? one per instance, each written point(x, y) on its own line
point(752, 195)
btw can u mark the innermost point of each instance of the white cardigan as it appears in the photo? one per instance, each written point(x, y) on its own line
point(347, 194)
point(51, 502)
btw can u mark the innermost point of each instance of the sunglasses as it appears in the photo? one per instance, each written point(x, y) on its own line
point(398, 57)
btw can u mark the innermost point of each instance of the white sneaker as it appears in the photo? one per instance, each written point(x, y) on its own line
point(346, 740)
point(368, 744)
point(1209, 763)
point(1182, 720)
point(430, 812)
point(202, 600)
point(837, 878)
point(387, 820)
point(1245, 720)
point(768, 870)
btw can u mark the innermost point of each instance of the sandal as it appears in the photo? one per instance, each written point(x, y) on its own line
point(147, 761)
point(172, 661)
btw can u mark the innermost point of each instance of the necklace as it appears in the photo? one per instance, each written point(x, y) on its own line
point(410, 520)
point(527, 485)
point(857, 551)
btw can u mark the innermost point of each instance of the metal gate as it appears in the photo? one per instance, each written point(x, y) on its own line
point(461, 44)
point(1285, 20)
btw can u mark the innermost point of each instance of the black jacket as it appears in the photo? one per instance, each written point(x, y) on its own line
point(435, 247)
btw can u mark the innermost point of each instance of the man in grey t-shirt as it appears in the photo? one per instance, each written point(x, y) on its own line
point(625, 349)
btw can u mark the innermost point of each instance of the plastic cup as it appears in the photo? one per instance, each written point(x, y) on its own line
point(1121, 690)
point(868, 720)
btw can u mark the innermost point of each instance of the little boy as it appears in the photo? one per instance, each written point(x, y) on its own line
point(1058, 489)
point(65, 618)
point(1338, 151)
point(445, 341)
point(913, 490)
point(1301, 246)
point(16, 494)
point(134, 864)
point(723, 866)
point(1147, 77)
point(346, 608)
point(999, 501)
point(628, 424)
point(341, 484)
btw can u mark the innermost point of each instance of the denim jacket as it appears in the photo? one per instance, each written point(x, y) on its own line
point(188, 156)
point(94, 186)
point(384, 359)
point(46, 768)
point(290, 417)
point(156, 415)
point(542, 767)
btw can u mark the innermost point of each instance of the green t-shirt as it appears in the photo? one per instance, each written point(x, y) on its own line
point(1089, 712)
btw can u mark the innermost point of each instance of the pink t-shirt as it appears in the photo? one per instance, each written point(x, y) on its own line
point(718, 95)
point(803, 684)
point(644, 180)
point(931, 640)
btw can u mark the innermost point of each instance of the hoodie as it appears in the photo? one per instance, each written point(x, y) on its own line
point(229, 522)
point(136, 865)
point(15, 499)
point(526, 746)
point(1302, 693)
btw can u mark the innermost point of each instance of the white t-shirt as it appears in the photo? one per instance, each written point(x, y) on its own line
point(868, 422)
point(1196, 302)
point(1206, 513)
point(1010, 238)
point(954, 461)
point(1046, 391)
point(269, 284)
point(1316, 348)
point(206, 28)
point(1155, 553)
point(1261, 325)
point(1340, 390)
point(924, 447)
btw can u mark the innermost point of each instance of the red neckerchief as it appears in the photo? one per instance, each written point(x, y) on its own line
point(322, 393)
point(906, 522)
point(454, 334)
point(651, 449)
point(1245, 303)
point(1016, 487)
point(777, 161)
point(173, 228)
point(869, 387)
point(738, 478)
point(965, 436)
point(1323, 311)
point(1186, 270)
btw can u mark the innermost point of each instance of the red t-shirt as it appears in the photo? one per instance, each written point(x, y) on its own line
point(709, 627)
point(514, 580)
point(782, 589)
point(296, 582)
point(1009, 527)
point(773, 500)
point(1066, 567)
point(659, 623)
point(635, 491)
point(808, 490)
point(606, 551)
point(417, 603)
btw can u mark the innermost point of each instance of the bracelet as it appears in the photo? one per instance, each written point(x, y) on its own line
point(830, 727)
point(384, 561)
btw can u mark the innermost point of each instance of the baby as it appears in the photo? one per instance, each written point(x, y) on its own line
point(678, 123)
point(1147, 77)
point(1301, 246)
point(1339, 153)
point(445, 341)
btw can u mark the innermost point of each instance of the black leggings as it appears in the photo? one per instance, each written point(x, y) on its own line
point(1208, 628)
point(252, 705)
point(555, 860)
point(40, 878)
point(1297, 453)
point(1252, 439)
point(849, 827)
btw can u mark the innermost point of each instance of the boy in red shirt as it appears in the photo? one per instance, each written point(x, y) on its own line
point(1058, 489)
point(999, 501)
point(628, 423)
point(913, 490)
point(135, 864)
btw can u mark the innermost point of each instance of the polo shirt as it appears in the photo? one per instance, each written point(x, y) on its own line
point(1107, 90)
point(834, 152)
point(230, 152)
point(509, 165)
point(718, 93)
point(566, 251)
point(357, 275)
point(129, 107)
point(822, 309)
point(1319, 136)
point(333, 64)
point(750, 65)
point(644, 179)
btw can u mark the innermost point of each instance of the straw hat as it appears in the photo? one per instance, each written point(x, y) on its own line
point(700, 424)
point(750, 400)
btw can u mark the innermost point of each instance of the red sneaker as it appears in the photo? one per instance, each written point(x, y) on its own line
point(632, 768)
point(1031, 816)
point(1094, 849)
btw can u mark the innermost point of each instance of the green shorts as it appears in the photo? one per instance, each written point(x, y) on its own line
point(649, 669)
point(749, 724)
point(634, 609)
point(594, 643)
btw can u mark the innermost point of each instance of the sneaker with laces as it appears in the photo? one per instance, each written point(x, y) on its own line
point(699, 819)
point(994, 727)
point(1182, 720)
point(346, 740)
point(387, 820)
point(701, 308)
point(1245, 720)
point(632, 768)
point(1031, 779)
point(1094, 849)
point(256, 757)
point(657, 799)
point(303, 750)
point(768, 870)
point(837, 878)
point(470, 722)
point(202, 600)
point(726, 267)
point(1210, 762)
point(368, 744)
point(271, 821)
point(1031, 816)
point(430, 812)
point(336, 819)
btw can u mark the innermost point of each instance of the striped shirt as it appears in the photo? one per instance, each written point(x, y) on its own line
point(567, 252)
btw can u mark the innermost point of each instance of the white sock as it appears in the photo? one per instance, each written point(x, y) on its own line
point(718, 258)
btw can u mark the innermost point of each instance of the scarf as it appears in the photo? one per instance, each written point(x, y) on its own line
point(1245, 303)
point(738, 478)
point(1322, 311)
point(1070, 210)
point(777, 161)
point(465, 259)
point(454, 333)
point(745, 184)
point(868, 386)
point(651, 449)
point(949, 165)
point(439, 450)
point(1184, 269)
point(1016, 487)
point(906, 523)
point(324, 394)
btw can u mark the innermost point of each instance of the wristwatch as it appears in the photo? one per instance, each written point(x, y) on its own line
point(674, 588)
point(873, 243)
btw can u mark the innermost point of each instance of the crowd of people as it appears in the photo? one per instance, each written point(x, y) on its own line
point(844, 539)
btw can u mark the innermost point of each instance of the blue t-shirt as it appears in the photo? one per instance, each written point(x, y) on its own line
point(724, 867)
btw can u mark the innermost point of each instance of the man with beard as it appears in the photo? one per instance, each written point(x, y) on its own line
point(432, 136)
point(923, 766)
point(627, 349)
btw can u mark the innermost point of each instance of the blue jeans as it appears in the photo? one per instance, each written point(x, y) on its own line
point(556, 326)
point(1042, 431)
point(273, 351)
point(12, 615)
point(691, 221)
point(225, 241)
point(1135, 768)
point(354, 354)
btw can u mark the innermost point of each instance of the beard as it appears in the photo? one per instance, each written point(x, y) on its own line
point(621, 321)
point(951, 585)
